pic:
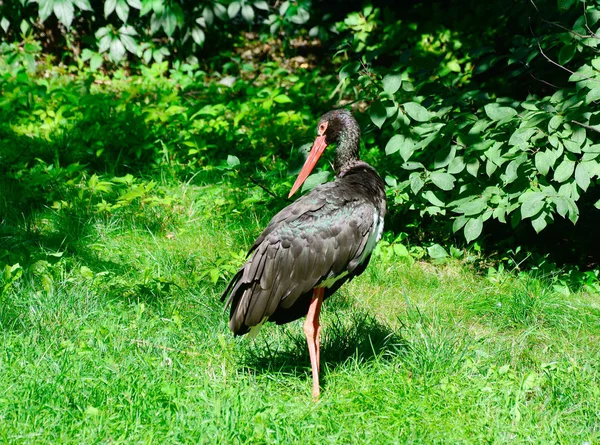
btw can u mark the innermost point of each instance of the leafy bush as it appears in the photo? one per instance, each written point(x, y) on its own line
point(147, 30)
point(478, 130)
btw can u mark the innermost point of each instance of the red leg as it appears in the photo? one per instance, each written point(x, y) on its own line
point(312, 330)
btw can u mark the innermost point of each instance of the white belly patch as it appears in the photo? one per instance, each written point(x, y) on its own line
point(374, 236)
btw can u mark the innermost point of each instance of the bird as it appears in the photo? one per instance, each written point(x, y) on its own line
point(314, 245)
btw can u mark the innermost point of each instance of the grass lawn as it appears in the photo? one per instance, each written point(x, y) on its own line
point(123, 339)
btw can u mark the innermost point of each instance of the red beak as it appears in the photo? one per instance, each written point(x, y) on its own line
point(315, 153)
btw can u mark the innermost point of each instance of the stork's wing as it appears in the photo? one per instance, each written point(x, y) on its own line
point(322, 235)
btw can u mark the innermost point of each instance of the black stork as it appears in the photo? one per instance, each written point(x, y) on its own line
point(313, 246)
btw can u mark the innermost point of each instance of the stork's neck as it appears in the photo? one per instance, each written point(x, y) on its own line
point(348, 144)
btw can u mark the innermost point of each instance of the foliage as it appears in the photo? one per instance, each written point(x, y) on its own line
point(465, 147)
point(144, 30)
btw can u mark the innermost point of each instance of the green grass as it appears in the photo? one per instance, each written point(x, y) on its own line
point(138, 350)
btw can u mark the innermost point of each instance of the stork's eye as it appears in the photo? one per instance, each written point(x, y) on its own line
point(322, 128)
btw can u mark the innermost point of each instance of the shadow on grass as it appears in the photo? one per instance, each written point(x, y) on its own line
point(423, 345)
point(359, 337)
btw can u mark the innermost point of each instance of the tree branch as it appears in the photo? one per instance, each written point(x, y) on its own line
point(587, 25)
point(558, 25)
point(545, 82)
point(263, 187)
point(589, 127)
point(552, 61)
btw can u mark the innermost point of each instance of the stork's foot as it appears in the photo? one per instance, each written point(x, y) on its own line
point(312, 330)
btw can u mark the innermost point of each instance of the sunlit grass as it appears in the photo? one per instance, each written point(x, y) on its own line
point(123, 340)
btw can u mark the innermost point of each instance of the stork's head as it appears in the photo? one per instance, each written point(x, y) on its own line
point(336, 126)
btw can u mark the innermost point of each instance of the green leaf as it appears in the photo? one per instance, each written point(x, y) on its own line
point(102, 32)
point(562, 205)
point(473, 167)
point(392, 82)
point(122, 10)
point(44, 9)
point(521, 136)
point(169, 21)
point(512, 171)
point(555, 122)
point(453, 65)
point(445, 181)
point(540, 222)
point(261, 5)
point(84, 5)
point(497, 113)
point(490, 168)
point(592, 167)
point(459, 223)
point(412, 165)
point(572, 146)
point(209, 15)
point(394, 144)
point(592, 95)
point(135, 4)
point(436, 251)
point(314, 180)
point(564, 171)
point(301, 16)
point(473, 228)
point(543, 162)
point(233, 9)
point(248, 13)
point(391, 108)
point(284, 7)
point(573, 211)
point(579, 136)
point(566, 53)
point(582, 176)
point(109, 7)
point(473, 207)
point(416, 183)
point(457, 165)
point(417, 111)
point(129, 43)
point(533, 202)
point(117, 50)
point(96, 62)
point(407, 149)
point(378, 114)
point(282, 99)
point(220, 10)
point(4, 24)
point(63, 9)
point(198, 36)
point(400, 250)
point(430, 196)
point(127, 30)
point(233, 161)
